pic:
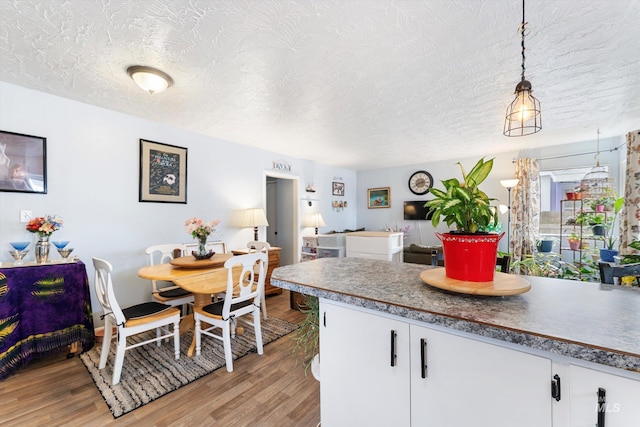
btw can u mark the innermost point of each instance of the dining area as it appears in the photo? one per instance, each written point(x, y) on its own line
point(218, 288)
point(204, 313)
point(156, 391)
point(202, 280)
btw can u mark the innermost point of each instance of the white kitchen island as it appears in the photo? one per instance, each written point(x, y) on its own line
point(395, 351)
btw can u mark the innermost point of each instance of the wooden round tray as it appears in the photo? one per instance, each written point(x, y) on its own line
point(502, 284)
point(190, 262)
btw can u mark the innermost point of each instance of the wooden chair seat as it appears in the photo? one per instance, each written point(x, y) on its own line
point(215, 309)
point(242, 298)
point(172, 295)
point(152, 317)
point(131, 321)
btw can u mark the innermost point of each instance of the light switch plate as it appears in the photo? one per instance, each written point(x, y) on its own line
point(25, 216)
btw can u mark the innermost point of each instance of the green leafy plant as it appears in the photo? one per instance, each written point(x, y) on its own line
point(462, 203)
point(632, 258)
point(590, 218)
point(610, 239)
point(546, 267)
point(307, 337)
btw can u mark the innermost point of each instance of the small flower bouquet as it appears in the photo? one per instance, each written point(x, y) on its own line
point(45, 225)
point(200, 230)
point(404, 230)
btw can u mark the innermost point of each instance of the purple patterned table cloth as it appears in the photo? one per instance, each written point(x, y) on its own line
point(43, 309)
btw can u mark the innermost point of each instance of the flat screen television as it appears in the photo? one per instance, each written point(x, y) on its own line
point(415, 210)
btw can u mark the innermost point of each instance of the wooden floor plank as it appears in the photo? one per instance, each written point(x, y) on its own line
point(263, 390)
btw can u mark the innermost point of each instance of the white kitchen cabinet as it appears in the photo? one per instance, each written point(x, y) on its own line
point(380, 245)
point(472, 383)
point(359, 385)
point(620, 406)
point(466, 382)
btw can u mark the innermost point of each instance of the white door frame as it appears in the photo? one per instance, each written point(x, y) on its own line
point(295, 197)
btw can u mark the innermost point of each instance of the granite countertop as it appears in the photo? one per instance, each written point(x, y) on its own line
point(589, 321)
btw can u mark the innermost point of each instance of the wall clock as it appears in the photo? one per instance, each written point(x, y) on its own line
point(420, 182)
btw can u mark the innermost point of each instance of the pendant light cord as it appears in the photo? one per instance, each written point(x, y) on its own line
point(597, 156)
point(522, 27)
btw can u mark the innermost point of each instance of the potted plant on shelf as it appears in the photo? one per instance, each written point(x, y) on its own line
point(545, 243)
point(608, 252)
point(595, 220)
point(574, 242)
point(470, 251)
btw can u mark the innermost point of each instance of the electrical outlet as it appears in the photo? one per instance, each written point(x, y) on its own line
point(25, 216)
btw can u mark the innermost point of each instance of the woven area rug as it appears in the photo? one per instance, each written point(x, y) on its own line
point(150, 372)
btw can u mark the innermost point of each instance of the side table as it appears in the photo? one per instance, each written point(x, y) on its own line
point(43, 308)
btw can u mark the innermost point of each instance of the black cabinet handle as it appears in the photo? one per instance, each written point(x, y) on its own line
point(423, 357)
point(324, 319)
point(602, 406)
point(555, 387)
point(393, 347)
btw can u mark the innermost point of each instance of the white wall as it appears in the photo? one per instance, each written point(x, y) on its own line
point(422, 232)
point(92, 171)
point(398, 178)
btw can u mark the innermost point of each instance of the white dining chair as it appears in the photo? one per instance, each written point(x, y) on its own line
point(263, 247)
point(245, 295)
point(131, 321)
point(168, 294)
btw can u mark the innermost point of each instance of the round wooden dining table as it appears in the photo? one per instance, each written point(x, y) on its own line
point(202, 278)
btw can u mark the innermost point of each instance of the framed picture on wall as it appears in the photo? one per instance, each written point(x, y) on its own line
point(338, 188)
point(163, 172)
point(379, 197)
point(23, 163)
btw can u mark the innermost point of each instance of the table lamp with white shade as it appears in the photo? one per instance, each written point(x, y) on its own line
point(314, 220)
point(254, 218)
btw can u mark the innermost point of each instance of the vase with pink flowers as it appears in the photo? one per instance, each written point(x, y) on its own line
point(200, 230)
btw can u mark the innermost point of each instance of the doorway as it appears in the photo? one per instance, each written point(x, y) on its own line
point(281, 195)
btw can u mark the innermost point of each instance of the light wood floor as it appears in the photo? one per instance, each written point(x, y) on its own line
point(267, 390)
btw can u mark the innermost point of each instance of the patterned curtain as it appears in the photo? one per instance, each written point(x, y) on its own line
point(630, 215)
point(525, 210)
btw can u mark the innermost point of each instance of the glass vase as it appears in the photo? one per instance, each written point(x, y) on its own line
point(202, 246)
point(42, 249)
point(202, 252)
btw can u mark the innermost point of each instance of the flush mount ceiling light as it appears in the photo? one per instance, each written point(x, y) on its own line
point(150, 79)
point(523, 114)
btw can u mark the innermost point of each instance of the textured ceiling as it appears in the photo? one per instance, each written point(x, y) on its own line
point(356, 84)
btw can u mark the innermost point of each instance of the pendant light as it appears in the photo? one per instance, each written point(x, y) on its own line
point(523, 114)
point(597, 183)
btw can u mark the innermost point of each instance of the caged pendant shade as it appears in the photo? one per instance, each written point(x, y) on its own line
point(597, 183)
point(523, 115)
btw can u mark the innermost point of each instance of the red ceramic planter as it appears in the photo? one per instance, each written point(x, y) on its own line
point(470, 257)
